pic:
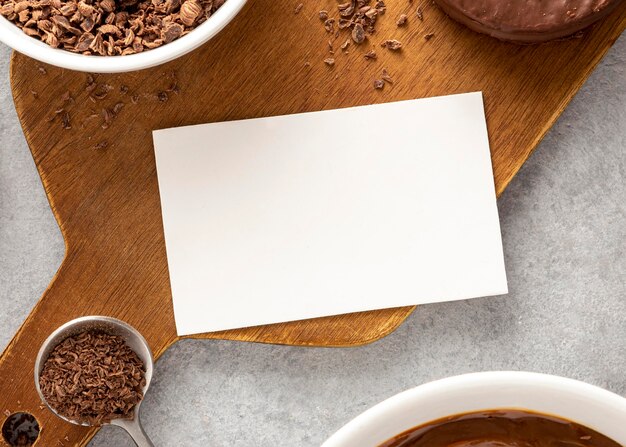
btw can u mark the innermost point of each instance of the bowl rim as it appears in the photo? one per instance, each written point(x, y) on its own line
point(14, 37)
point(380, 412)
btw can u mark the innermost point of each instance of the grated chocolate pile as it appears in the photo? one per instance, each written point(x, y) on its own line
point(93, 377)
point(107, 27)
point(357, 16)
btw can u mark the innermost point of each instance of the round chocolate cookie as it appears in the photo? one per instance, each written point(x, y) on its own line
point(527, 21)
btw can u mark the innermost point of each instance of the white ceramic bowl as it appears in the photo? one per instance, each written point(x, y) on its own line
point(579, 402)
point(15, 38)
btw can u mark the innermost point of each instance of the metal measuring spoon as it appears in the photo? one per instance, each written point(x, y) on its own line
point(110, 326)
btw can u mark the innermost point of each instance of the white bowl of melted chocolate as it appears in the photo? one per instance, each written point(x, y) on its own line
point(492, 409)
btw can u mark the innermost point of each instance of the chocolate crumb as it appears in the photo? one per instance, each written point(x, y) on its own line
point(7, 413)
point(123, 89)
point(428, 36)
point(385, 76)
point(379, 84)
point(392, 44)
point(323, 15)
point(298, 8)
point(345, 45)
point(330, 47)
point(307, 64)
point(118, 107)
point(42, 70)
point(98, 91)
point(329, 61)
point(346, 9)
point(101, 145)
point(371, 55)
point(134, 99)
point(329, 25)
point(34, 93)
point(90, 87)
point(358, 33)
point(67, 97)
point(107, 118)
point(162, 96)
point(420, 14)
point(402, 20)
point(65, 120)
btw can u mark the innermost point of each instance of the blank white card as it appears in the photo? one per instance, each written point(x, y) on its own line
point(300, 216)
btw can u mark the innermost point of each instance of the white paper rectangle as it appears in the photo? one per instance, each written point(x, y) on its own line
point(300, 216)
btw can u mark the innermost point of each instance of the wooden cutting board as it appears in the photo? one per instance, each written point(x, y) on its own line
point(102, 185)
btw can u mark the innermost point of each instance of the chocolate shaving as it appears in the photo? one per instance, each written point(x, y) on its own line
point(420, 14)
point(358, 33)
point(67, 97)
point(93, 377)
point(323, 15)
point(65, 120)
point(347, 9)
point(117, 108)
point(329, 25)
point(371, 55)
point(385, 76)
point(392, 44)
point(298, 8)
point(402, 20)
point(429, 36)
point(107, 118)
point(379, 84)
point(329, 61)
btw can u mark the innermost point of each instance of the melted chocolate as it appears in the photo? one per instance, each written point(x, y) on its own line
point(501, 428)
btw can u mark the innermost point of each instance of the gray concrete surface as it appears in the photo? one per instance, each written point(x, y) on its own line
point(564, 229)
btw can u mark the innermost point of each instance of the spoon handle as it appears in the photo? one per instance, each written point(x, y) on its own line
point(135, 430)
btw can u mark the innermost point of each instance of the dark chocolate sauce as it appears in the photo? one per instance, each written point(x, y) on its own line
point(501, 428)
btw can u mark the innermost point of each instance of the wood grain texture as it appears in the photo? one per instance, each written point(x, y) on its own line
point(102, 186)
